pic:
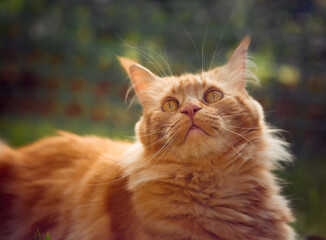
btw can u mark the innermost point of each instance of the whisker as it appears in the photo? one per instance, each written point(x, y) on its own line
point(166, 148)
point(166, 57)
point(147, 56)
point(159, 151)
point(97, 184)
point(228, 142)
point(154, 59)
point(252, 128)
point(240, 135)
point(203, 43)
point(160, 56)
point(150, 133)
point(235, 114)
point(151, 144)
point(229, 116)
point(221, 36)
point(191, 39)
point(203, 46)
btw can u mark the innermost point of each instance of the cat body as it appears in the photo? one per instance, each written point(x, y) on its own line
point(55, 185)
point(200, 168)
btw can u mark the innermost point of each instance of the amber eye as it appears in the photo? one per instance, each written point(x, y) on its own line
point(213, 96)
point(170, 105)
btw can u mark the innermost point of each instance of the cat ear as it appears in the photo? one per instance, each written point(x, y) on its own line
point(235, 70)
point(141, 79)
point(236, 65)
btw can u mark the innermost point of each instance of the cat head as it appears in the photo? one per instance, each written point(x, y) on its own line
point(196, 115)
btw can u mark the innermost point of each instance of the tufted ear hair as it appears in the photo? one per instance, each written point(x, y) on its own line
point(141, 79)
point(234, 72)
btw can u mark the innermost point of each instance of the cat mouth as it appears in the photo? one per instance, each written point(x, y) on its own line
point(194, 129)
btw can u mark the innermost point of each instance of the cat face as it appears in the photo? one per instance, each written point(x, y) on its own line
point(195, 115)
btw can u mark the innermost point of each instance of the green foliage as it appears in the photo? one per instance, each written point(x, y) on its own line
point(306, 184)
point(37, 236)
point(47, 236)
point(18, 132)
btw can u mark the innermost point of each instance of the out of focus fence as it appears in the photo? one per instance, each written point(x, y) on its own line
point(58, 58)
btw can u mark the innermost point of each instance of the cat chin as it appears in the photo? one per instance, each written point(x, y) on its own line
point(198, 145)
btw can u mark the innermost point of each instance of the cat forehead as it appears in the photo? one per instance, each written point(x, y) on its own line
point(188, 83)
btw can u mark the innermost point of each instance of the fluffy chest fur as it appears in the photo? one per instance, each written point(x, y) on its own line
point(190, 204)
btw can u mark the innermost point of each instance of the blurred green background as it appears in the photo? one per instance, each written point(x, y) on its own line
point(58, 70)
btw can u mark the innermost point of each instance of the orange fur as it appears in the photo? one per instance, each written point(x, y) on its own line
point(213, 182)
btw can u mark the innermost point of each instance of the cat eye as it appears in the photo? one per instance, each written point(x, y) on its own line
point(170, 105)
point(212, 96)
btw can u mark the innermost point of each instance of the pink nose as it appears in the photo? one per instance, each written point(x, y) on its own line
point(190, 110)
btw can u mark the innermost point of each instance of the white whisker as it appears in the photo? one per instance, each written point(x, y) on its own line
point(227, 141)
point(240, 135)
point(170, 141)
point(215, 50)
point(147, 56)
point(161, 148)
point(191, 39)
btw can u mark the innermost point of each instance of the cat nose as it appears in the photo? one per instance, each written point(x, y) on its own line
point(190, 110)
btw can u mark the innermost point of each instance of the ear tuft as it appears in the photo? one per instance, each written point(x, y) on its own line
point(245, 42)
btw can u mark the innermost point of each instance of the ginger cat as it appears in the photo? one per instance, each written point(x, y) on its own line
point(199, 169)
